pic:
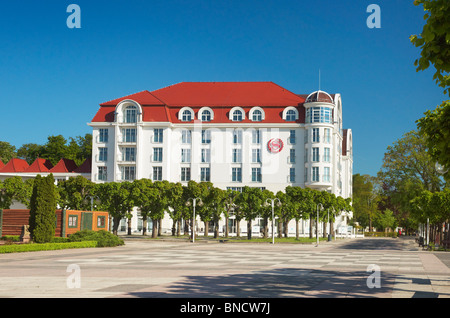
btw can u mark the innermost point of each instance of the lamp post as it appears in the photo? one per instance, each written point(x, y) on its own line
point(188, 203)
point(317, 223)
point(272, 201)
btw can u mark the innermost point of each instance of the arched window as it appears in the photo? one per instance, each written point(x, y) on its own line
point(257, 115)
point(237, 115)
point(206, 115)
point(291, 115)
point(186, 115)
point(130, 114)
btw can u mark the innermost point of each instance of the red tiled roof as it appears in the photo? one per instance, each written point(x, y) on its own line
point(143, 98)
point(85, 167)
point(1, 165)
point(163, 105)
point(64, 165)
point(15, 165)
point(227, 94)
point(39, 165)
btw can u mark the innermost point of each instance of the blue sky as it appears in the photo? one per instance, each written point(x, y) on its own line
point(53, 78)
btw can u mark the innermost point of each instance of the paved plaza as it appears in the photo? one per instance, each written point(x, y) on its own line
point(173, 269)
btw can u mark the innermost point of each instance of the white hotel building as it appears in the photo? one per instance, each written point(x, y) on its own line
point(233, 134)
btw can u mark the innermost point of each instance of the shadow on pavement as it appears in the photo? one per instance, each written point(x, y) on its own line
point(283, 282)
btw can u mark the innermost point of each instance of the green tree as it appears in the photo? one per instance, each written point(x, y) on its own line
point(407, 170)
point(76, 193)
point(42, 219)
point(385, 220)
point(7, 151)
point(113, 198)
point(29, 152)
point(250, 201)
point(435, 127)
point(434, 41)
point(12, 189)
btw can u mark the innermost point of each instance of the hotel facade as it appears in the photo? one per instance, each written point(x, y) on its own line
point(233, 134)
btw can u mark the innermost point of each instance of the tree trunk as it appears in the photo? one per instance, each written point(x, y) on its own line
point(129, 226)
point(280, 228)
point(159, 227)
point(249, 229)
point(154, 228)
point(238, 228)
point(310, 226)
point(144, 225)
point(116, 223)
point(226, 227)
point(206, 228)
point(297, 229)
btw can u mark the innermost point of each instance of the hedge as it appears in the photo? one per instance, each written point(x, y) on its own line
point(381, 234)
point(14, 248)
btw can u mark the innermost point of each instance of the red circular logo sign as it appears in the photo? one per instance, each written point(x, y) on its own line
point(275, 145)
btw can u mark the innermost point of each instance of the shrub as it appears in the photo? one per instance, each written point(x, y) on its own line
point(102, 237)
point(42, 209)
point(14, 248)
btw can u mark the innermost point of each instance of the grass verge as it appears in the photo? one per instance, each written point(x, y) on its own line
point(33, 247)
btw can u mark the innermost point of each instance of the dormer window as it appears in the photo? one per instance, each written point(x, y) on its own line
point(257, 114)
point(237, 115)
point(290, 114)
point(130, 114)
point(186, 114)
point(206, 115)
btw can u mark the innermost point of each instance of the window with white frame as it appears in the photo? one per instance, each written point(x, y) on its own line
point(236, 174)
point(157, 154)
point(157, 135)
point(291, 155)
point(103, 135)
point(291, 115)
point(292, 136)
point(205, 174)
point(315, 174)
point(129, 135)
point(238, 115)
point(326, 174)
point(206, 115)
point(256, 155)
point(102, 174)
point(326, 155)
point(186, 115)
point(157, 173)
point(327, 137)
point(128, 173)
point(257, 115)
point(130, 114)
point(236, 155)
point(237, 136)
point(185, 174)
point(256, 175)
point(316, 135)
point(185, 155)
point(206, 136)
point(256, 136)
point(206, 155)
point(102, 154)
point(129, 154)
point(291, 174)
point(185, 136)
point(316, 156)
